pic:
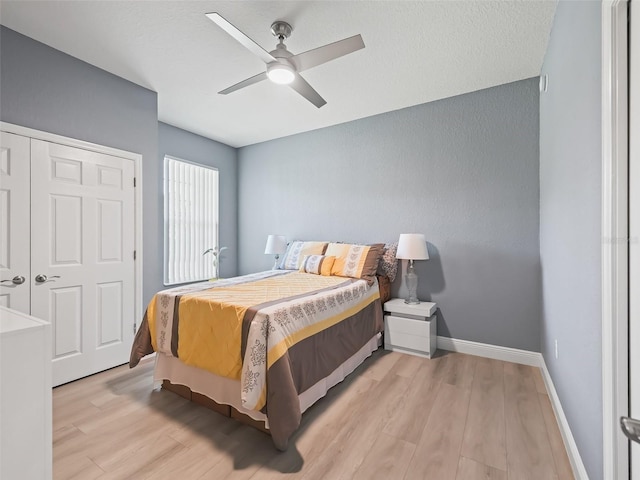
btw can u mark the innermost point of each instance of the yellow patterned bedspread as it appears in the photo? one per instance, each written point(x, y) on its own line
point(210, 320)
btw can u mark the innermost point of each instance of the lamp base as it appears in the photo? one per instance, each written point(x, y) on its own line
point(411, 280)
point(275, 265)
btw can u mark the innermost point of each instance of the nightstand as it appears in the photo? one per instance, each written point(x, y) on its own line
point(410, 328)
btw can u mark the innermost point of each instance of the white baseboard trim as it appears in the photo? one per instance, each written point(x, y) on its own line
point(534, 359)
point(523, 357)
point(579, 471)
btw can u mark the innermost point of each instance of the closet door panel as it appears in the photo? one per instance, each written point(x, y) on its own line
point(14, 222)
point(82, 242)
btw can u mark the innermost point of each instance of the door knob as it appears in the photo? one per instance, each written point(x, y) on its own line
point(631, 428)
point(41, 278)
point(17, 280)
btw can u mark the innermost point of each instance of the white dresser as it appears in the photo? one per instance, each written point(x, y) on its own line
point(25, 397)
point(410, 328)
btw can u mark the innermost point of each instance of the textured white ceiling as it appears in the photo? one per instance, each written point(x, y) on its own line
point(416, 52)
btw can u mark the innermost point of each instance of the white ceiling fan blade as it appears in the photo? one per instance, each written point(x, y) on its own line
point(318, 56)
point(301, 86)
point(245, 83)
point(240, 37)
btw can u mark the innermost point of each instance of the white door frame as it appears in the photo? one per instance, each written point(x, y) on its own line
point(137, 159)
point(634, 229)
point(615, 231)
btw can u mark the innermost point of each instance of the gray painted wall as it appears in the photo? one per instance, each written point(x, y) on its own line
point(463, 171)
point(194, 148)
point(570, 226)
point(45, 89)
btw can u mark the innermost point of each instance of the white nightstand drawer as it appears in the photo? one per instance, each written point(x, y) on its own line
point(410, 335)
point(403, 341)
point(407, 326)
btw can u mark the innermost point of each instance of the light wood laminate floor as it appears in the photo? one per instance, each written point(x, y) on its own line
point(397, 416)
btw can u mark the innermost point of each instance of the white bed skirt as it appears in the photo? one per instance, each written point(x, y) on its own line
point(227, 391)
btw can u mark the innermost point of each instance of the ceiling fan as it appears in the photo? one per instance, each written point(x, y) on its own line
point(283, 67)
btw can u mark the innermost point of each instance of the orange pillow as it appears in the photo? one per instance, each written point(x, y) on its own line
point(356, 261)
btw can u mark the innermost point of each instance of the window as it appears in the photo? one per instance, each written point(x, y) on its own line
point(190, 220)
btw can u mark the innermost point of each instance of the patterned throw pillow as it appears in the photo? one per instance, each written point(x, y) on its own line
point(318, 264)
point(356, 261)
point(296, 252)
point(388, 265)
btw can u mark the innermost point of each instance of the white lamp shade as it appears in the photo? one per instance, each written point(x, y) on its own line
point(276, 244)
point(412, 246)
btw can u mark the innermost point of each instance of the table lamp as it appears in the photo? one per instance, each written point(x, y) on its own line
point(412, 246)
point(276, 244)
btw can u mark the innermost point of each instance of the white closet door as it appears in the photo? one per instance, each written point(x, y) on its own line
point(15, 230)
point(82, 245)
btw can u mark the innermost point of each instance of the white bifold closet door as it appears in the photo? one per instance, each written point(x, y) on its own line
point(81, 242)
point(15, 229)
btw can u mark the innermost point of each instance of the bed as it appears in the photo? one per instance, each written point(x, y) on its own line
point(266, 346)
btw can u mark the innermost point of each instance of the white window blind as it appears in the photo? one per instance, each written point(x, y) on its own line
point(190, 220)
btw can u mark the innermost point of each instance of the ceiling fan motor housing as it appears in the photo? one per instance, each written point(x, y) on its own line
point(281, 52)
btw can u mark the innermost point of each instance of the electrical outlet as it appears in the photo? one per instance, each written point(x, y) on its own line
point(556, 344)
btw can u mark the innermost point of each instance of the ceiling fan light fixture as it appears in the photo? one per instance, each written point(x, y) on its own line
point(283, 66)
point(280, 73)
